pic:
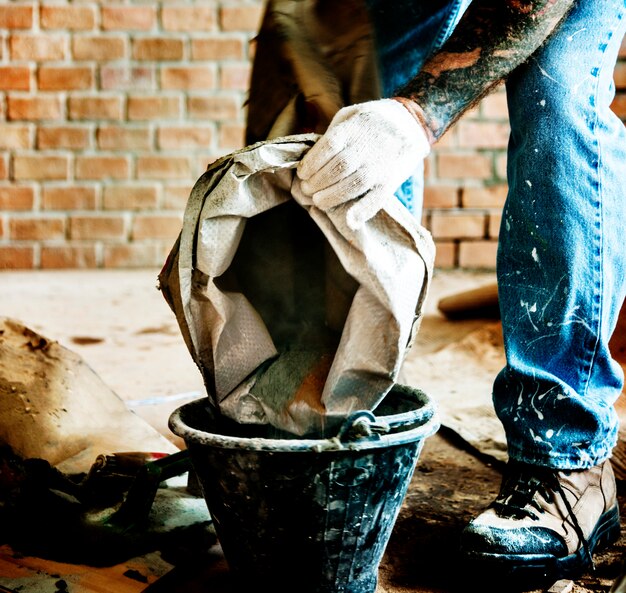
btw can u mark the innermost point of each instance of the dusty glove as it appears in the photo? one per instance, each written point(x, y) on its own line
point(367, 152)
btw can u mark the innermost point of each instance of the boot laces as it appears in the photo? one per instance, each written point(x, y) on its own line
point(518, 497)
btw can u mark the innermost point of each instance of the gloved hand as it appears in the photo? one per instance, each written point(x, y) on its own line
point(367, 152)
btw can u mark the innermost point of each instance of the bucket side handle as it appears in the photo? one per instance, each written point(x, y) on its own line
point(362, 424)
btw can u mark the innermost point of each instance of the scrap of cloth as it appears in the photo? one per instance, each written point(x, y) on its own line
point(293, 318)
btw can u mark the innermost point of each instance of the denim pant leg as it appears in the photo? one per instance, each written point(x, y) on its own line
point(562, 258)
point(406, 32)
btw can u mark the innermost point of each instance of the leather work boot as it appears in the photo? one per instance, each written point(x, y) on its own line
point(545, 524)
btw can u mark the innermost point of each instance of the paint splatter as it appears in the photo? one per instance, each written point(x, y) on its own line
point(576, 33)
point(531, 309)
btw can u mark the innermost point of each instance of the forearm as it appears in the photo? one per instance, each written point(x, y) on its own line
point(492, 38)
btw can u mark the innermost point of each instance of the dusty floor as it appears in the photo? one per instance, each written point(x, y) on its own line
point(120, 324)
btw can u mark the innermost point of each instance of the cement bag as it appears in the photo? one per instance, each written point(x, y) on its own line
point(293, 318)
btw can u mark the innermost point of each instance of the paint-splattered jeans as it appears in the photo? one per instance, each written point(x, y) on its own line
point(561, 264)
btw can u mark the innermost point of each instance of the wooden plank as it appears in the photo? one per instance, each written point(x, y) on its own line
point(132, 576)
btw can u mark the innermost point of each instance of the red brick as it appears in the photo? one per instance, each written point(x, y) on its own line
point(218, 47)
point(16, 197)
point(478, 254)
point(128, 18)
point(481, 134)
point(252, 47)
point(484, 197)
point(164, 250)
point(163, 167)
point(68, 198)
point(241, 18)
point(127, 77)
point(494, 106)
point(235, 76)
point(102, 167)
point(449, 140)
point(441, 196)
point(34, 108)
point(156, 227)
point(191, 78)
point(231, 136)
point(175, 197)
point(472, 113)
point(67, 17)
point(16, 16)
point(133, 255)
point(458, 166)
point(501, 160)
point(619, 75)
point(17, 258)
point(63, 137)
point(37, 48)
point(68, 257)
point(214, 107)
point(36, 229)
point(188, 18)
point(60, 79)
point(157, 48)
point(428, 166)
point(14, 78)
point(493, 230)
point(90, 108)
point(445, 254)
point(40, 166)
point(152, 129)
point(14, 136)
point(123, 138)
point(205, 158)
point(456, 225)
point(177, 137)
point(151, 108)
point(124, 197)
point(98, 48)
point(619, 105)
point(97, 227)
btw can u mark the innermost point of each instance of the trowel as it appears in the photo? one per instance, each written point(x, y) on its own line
point(128, 504)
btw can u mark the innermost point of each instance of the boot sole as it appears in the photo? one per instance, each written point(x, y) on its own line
point(533, 569)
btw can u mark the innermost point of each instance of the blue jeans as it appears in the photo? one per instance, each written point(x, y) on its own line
point(561, 258)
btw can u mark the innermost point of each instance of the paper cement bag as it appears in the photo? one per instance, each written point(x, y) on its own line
point(293, 318)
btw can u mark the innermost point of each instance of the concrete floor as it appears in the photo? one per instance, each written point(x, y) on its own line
point(120, 324)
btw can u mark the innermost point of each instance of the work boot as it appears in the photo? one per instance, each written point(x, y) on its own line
point(545, 524)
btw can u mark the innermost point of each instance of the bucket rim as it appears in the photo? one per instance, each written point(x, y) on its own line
point(427, 423)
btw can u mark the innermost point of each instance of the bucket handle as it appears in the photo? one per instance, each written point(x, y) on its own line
point(362, 424)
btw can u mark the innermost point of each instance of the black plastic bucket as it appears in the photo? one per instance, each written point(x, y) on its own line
point(307, 515)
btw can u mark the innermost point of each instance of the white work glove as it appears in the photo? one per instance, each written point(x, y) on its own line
point(367, 152)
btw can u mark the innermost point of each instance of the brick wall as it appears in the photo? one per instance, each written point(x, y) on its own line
point(109, 112)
